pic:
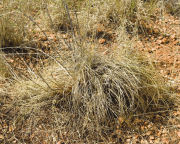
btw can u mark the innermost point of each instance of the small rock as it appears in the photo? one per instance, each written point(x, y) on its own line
point(43, 38)
point(55, 39)
point(173, 36)
point(101, 41)
point(165, 141)
point(142, 127)
point(36, 35)
point(149, 126)
point(153, 128)
point(145, 123)
point(149, 133)
point(151, 138)
point(137, 136)
point(164, 131)
point(157, 141)
point(65, 36)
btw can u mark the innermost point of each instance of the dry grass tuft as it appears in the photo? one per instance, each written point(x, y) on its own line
point(11, 33)
point(97, 92)
point(85, 92)
point(105, 89)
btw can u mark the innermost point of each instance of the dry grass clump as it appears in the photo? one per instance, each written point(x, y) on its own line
point(93, 90)
point(15, 21)
point(105, 89)
point(122, 10)
point(113, 14)
point(11, 29)
point(43, 86)
point(14, 25)
point(61, 14)
point(86, 92)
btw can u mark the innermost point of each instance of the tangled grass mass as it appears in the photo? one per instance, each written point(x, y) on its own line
point(70, 72)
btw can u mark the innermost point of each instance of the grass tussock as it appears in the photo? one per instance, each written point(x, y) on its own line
point(105, 88)
point(84, 91)
point(11, 32)
point(94, 92)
